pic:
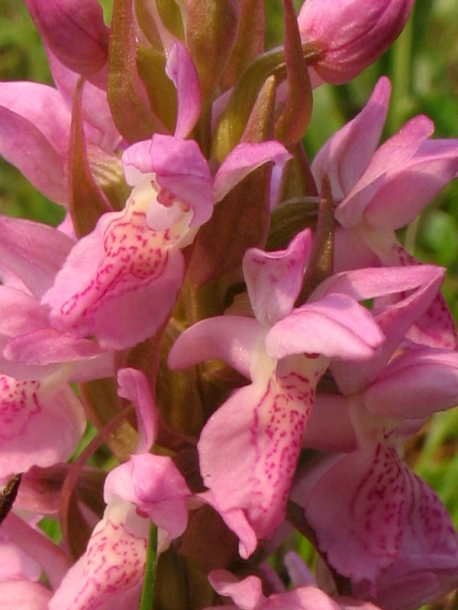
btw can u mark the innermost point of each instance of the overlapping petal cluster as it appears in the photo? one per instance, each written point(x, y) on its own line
point(237, 383)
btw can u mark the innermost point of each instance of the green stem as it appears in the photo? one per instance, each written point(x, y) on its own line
point(401, 73)
point(147, 599)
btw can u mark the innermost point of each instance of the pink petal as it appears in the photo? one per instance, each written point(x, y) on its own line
point(39, 426)
point(363, 284)
point(302, 598)
point(436, 326)
point(154, 484)
point(246, 593)
point(41, 348)
point(274, 279)
point(118, 283)
point(361, 532)
point(24, 594)
point(110, 573)
point(20, 312)
point(137, 161)
point(346, 155)
point(48, 112)
point(426, 567)
point(245, 158)
point(228, 338)
point(351, 251)
point(54, 561)
point(334, 326)
point(429, 526)
point(329, 427)
point(181, 70)
point(28, 372)
point(99, 128)
point(416, 384)
point(393, 156)
point(180, 168)
point(33, 251)
point(416, 286)
point(16, 564)
point(414, 184)
point(395, 317)
point(264, 423)
point(25, 147)
point(133, 386)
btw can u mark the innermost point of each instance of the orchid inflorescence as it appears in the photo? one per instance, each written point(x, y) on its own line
point(223, 347)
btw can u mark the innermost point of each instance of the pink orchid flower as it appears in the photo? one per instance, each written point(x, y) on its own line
point(388, 532)
point(132, 261)
point(406, 381)
point(381, 525)
point(379, 191)
point(120, 282)
point(284, 351)
point(352, 33)
point(146, 488)
point(151, 482)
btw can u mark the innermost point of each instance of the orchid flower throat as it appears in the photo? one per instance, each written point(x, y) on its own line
point(167, 216)
point(371, 428)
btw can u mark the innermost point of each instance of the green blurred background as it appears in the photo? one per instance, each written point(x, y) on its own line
point(423, 68)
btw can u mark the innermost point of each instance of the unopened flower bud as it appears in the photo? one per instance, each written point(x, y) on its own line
point(351, 33)
point(74, 31)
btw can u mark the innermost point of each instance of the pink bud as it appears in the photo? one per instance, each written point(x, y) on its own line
point(74, 31)
point(351, 33)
